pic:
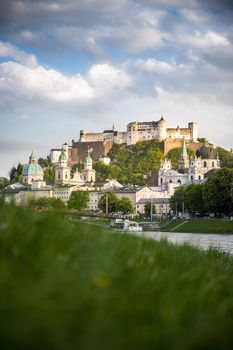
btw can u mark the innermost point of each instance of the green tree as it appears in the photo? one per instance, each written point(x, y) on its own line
point(78, 200)
point(193, 199)
point(225, 157)
point(111, 202)
point(103, 171)
point(147, 210)
point(49, 174)
point(16, 173)
point(218, 192)
point(125, 205)
point(44, 162)
point(174, 155)
point(177, 200)
point(4, 182)
point(52, 203)
point(131, 163)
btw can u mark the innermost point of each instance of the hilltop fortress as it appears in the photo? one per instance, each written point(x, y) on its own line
point(102, 142)
point(143, 131)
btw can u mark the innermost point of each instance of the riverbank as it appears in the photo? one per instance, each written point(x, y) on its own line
point(69, 285)
point(200, 226)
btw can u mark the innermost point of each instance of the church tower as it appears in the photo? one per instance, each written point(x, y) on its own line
point(184, 159)
point(195, 170)
point(88, 174)
point(62, 171)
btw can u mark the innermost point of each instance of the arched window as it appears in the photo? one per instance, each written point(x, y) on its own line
point(179, 181)
point(59, 176)
point(66, 176)
point(199, 177)
point(170, 181)
point(25, 180)
point(161, 180)
point(205, 164)
point(191, 177)
point(212, 164)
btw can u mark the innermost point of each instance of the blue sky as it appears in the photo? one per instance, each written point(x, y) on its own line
point(71, 65)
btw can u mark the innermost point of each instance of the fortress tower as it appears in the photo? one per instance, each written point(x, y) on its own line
point(162, 129)
point(193, 131)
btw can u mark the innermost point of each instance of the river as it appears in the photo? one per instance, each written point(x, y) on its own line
point(204, 241)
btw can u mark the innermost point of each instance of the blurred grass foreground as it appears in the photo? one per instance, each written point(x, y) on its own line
point(66, 285)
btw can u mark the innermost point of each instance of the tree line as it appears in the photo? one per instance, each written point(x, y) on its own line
point(213, 196)
point(78, 200)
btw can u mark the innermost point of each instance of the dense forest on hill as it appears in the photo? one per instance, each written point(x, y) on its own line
point(131, 164)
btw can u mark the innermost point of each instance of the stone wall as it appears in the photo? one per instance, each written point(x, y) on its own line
point(170, 144)
point(100, 148)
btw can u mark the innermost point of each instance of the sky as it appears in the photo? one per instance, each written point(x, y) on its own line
point(86, 64)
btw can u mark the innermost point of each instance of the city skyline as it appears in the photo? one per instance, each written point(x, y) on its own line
point(66, 66)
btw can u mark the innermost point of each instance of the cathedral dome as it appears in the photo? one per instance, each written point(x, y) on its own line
point(33, 168)
point(206, 152)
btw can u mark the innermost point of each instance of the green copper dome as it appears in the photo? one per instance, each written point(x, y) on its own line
point(33, 168)
point(63, 155)
point(88, 160)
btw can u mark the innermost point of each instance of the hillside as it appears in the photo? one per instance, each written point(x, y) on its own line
point(133, 164)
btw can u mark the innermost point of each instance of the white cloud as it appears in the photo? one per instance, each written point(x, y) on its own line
point(206, 40)
point(33, 83)
point(46, 83)
point(161, 67)
point(8, 50)
point(136, 39)
point(104, 78)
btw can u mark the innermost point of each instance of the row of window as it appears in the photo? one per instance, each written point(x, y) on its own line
point(59, 176)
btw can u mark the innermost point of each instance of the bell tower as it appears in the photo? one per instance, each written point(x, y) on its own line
point(184, 159)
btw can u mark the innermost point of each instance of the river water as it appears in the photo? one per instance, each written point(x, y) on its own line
point(204, 241)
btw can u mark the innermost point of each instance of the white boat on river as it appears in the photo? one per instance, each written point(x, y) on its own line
point(126, 225)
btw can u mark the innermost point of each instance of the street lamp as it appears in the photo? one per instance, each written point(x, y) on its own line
point(106, 204)
point(151, 209)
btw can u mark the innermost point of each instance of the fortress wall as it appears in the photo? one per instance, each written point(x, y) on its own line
point(92, 137)
point(100, 148)
point(170, 144)
point(181, 131)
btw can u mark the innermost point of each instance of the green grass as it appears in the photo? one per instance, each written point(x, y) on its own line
point(67, 285)
point(201, 226)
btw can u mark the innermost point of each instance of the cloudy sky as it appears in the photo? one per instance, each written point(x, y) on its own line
point(86, 64)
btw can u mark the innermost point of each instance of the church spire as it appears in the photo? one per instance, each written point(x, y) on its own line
point(184, 159)
point(184, 153)
point(32, 158)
